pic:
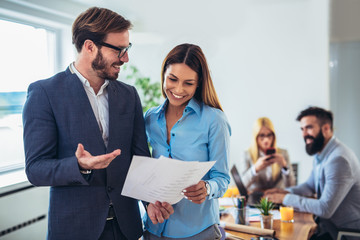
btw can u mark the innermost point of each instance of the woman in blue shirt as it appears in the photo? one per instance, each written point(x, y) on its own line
point(190, 126)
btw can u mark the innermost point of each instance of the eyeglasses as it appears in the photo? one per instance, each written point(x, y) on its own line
point(262, 136)
point(122, 50)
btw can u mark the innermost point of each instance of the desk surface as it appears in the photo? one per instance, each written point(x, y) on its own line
point(302, 228)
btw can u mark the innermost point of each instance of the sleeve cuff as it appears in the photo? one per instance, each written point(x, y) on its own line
point(286, 199)
point(253, 171)
point(213, 185)
point(285, 171)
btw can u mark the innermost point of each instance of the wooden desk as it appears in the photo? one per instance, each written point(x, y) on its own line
point(302, 228)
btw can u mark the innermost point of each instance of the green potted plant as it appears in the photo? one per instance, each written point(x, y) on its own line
point(266, 218)
point(149, 92)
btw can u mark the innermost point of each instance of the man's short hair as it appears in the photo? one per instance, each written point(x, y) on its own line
point(95, 23)
point(321, 114)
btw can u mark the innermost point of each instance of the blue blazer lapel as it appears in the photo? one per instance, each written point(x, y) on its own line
point(81, 104)
point(120, 115)
point(114, 107)
point(117, 99)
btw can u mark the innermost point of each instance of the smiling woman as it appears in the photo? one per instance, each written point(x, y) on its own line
point(180, 84)
point(27, 54)
point(189, 126)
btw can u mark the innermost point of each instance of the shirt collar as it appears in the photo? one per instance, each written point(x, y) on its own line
point(192, 105)
point(161, 107)
point(320, 156)
point(261, 153)
point(84, 80)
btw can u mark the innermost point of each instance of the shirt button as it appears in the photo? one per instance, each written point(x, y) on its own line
point(168, 150)
point(173, 134)
point(110, 189)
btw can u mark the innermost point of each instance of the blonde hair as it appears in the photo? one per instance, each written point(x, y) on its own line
point(254, 147)
point(193, 56)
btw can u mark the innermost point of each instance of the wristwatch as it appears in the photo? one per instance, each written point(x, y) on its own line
point(85, 171)
point(207, 185)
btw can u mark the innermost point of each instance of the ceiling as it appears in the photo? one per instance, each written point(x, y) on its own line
point(166, 17)
point(161, 16)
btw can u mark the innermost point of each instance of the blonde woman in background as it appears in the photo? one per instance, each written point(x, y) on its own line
point(264, 171)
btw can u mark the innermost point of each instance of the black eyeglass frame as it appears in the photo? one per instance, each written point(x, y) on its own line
point(262, 136)
point(122, 50)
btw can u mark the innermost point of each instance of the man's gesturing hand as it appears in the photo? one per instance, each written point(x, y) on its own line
point(87, 161)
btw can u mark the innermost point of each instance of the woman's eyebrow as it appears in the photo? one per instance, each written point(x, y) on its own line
point(174, 76)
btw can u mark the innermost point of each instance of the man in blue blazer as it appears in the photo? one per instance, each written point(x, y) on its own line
point(334, 180)
point(81, 129)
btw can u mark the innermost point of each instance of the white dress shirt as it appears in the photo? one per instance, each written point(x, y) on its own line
point(99, 103)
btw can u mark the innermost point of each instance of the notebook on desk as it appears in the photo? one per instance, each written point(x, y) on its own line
point(251, 199)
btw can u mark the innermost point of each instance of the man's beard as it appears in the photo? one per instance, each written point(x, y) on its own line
point(316, 145)
point(99, 65)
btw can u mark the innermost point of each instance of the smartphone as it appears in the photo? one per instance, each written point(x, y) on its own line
point(270, 151)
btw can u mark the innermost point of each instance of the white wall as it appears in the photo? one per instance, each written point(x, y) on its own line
point(268, 58)
point(344, 71)
point(345, 98)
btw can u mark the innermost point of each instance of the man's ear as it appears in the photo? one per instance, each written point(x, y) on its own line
point(326, 128)
point(89, 46)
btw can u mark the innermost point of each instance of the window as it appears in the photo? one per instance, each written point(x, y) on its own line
point(27, 55)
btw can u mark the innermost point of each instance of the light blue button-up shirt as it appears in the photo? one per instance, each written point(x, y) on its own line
point(201, 134)
point(335, 178)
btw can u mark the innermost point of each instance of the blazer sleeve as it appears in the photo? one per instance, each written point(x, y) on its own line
point(247, 177)
point(306, 189)
point(338, 182)
point(43, 168)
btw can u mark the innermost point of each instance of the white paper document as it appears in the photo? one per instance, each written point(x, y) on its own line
point(163, 179)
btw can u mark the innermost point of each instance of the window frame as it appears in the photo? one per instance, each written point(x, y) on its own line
point(8, 172)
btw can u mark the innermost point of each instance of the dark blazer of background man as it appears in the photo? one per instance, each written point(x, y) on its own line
point(83, 148)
